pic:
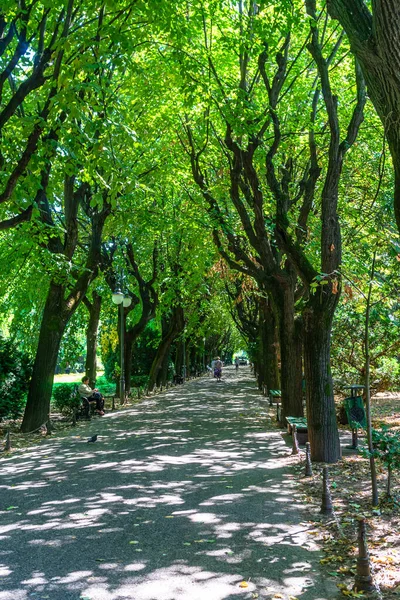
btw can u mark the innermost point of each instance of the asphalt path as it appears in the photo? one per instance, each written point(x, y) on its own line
point(183, 497)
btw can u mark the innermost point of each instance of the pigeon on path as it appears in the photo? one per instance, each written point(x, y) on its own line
point(92, 439)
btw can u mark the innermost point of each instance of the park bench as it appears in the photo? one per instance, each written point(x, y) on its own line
point(274, 395)
point(301, 428)
point(85, 409)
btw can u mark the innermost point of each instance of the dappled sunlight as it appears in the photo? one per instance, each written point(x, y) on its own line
point(182, 499)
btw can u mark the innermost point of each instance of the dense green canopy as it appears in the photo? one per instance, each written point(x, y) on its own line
point(223, 164)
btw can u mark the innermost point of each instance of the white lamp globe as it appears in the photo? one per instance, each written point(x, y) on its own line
point(117, 297)
point(127, 301)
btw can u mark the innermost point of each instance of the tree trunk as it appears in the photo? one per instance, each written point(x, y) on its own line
point(176, 326)
point(375, 41)
point(321, 415)
point(389, 482)
point(40, 389)
point(372, 465)
point(179, 358)
point(91, 338)
point(163, 373)
point(132, 333)
point(268, 356)
point(291, 369)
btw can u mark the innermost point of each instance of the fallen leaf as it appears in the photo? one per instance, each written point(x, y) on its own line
point(243, 584)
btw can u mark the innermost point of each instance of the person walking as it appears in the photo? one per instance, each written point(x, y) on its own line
point(218, 368)
point(237, 364)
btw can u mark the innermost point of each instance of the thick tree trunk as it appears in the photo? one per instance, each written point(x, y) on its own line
point(163, 373)
point(321, 414)
point(91, 338)
point(269, 370)
point(375, 41)
point(291, 365)
point(40, 389)
point(176, 326)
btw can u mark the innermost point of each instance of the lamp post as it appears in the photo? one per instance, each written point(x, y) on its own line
point(123, 302)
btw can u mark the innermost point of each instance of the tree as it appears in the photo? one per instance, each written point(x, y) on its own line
point(94, 308)
point(374, 35)
point(276, 183)
point(80, 188)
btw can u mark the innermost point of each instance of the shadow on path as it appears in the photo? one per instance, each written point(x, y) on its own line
point(181, 498)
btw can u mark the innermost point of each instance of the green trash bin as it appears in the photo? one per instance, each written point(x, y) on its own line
point(355, 411)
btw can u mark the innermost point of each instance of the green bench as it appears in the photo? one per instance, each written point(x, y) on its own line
point(301, 428)
point(274, 395)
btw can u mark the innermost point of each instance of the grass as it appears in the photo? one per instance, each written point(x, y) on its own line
point(104, 386)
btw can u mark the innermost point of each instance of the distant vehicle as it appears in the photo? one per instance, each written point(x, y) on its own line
point(243, 360)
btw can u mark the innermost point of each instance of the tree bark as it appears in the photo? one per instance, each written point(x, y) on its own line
point(176, 326)
point(94, 308)
point(268, 354)
point(291, 369)
point(40, 389)
point(375, 41)
point(163, 373)
point(321, 414)
point(61, 304)
point(372, 465)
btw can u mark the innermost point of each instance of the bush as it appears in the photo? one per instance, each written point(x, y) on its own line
point(15, 373)
point(111, 366)
point(386, 448)
point(139, 381)
point(66, 398)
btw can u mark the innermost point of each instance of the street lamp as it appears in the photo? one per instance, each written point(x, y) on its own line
point(123, 302)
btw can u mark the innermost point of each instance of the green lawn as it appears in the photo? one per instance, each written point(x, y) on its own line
point(105, 387)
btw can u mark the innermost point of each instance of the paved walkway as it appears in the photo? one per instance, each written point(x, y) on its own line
point(181, 498)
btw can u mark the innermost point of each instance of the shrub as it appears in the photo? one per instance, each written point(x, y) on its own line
point(111, 368)
point(139, 381)
point(66, 398)
point(15, 373)
point(386, 448)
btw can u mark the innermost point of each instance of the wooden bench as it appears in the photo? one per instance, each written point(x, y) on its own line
point(301, 428)
point(274, 395)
